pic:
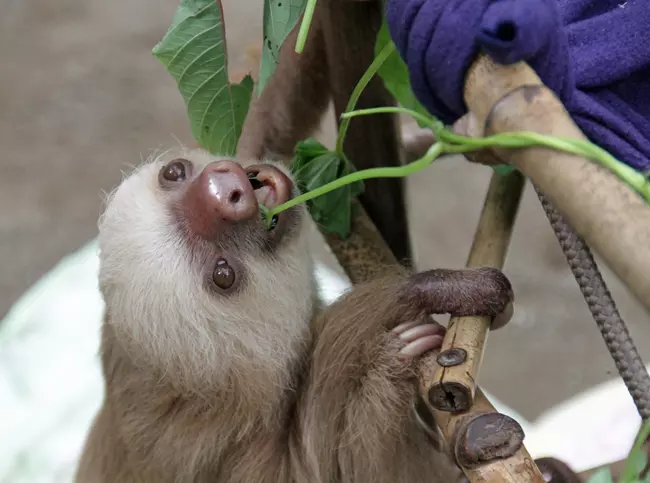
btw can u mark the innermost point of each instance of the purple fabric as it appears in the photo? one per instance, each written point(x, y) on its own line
point(594, 54)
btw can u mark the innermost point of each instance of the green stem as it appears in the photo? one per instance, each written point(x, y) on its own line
point(304, 25)
point(389, 172)
point(447, 141)
point(578, 147)
point(356, 93)
point(630, 473)
point(432, 123)
point(457, 144)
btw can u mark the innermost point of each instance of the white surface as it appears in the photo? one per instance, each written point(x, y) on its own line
point(50, 382)
point(51, 385)
point(596, 427)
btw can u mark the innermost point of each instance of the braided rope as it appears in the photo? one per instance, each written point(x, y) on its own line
point(603, 308)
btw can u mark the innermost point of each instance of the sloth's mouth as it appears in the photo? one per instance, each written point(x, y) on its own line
point(271, 188)
point(264, 190)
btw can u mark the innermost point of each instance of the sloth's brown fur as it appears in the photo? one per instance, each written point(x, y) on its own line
point(350, 419)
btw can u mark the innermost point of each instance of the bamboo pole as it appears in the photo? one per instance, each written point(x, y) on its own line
point(487, 445)
point(610, 216)
point(453, 384)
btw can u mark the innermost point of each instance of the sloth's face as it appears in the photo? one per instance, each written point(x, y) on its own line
point(185, 253)
point(215, 206)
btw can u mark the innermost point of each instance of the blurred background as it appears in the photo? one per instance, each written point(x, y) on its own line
point(82, 100)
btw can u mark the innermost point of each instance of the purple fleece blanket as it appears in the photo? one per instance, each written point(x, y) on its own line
point(594, 54)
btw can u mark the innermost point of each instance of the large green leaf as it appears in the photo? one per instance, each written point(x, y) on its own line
point(194, 52)
point(395, 74)
point(314, 166)
point(280, 17)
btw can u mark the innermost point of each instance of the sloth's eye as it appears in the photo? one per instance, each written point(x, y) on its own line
point(223, 275)
point(175, 171)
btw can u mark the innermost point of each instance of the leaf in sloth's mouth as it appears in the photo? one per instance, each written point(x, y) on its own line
point(263, 191)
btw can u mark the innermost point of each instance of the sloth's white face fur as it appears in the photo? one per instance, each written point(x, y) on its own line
point(160, 310)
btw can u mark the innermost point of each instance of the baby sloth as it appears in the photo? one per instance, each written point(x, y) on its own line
point(219, 365)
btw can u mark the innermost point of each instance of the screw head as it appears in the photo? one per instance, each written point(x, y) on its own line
point(452, 357)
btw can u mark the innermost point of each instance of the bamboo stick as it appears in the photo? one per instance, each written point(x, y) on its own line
point(610, 216)
point(453, 384)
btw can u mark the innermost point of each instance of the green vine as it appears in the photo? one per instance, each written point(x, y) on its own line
point(358, 90)
point(451, 143)
point(371, 173)
point(304, 25)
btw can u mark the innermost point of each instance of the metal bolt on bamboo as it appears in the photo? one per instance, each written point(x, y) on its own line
point(453, 385)
point(484, 452)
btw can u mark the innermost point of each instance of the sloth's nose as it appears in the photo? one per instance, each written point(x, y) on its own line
point(221, 193)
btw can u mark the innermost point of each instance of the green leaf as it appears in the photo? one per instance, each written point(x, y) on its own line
point(395, 75)
point(314, 166)
point(280, 17)
point(305, 151)
point(602, 476)
point(194, 52)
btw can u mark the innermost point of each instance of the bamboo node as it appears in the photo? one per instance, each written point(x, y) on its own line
point(487, 437)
